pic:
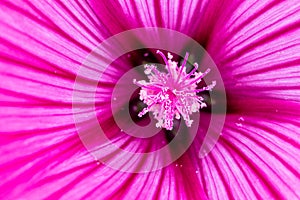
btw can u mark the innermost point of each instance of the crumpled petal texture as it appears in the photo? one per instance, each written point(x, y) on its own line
point(255, 45)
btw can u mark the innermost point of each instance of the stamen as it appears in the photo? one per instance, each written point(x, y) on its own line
point(165, 60)
point(182, 66)
point(193, 71)
point(198, 79)
point(172, 95)
point(163, 56)
point(208, 88)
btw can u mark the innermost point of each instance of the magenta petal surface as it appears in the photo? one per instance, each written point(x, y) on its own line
point(255, 45)
point(255, 152)
point(258, 50)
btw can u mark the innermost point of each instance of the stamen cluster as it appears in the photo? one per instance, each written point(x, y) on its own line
point(172, 95)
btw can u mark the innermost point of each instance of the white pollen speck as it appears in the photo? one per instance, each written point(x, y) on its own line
point(197, 171)
point(239, 124)
point(115, 98)
point(146, 54)
point(202, 153)
point(176, 165)
point(241, 119)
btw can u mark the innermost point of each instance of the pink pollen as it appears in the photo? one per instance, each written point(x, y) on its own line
point(173, 94)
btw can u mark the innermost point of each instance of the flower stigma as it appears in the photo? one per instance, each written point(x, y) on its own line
point(173, 94)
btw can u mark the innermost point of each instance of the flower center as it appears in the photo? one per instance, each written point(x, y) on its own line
point(172, 94)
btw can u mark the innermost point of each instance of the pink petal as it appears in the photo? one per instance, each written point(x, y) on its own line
point(255, 158)
point(258, 50)
point(270, 148)
point(194, 18)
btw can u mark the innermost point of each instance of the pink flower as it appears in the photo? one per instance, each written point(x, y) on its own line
point(256, 46)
